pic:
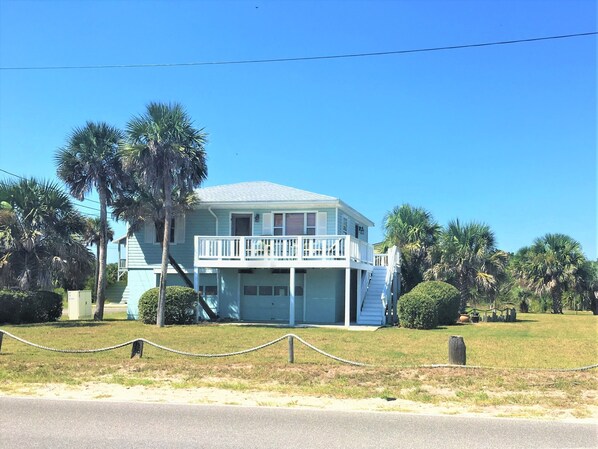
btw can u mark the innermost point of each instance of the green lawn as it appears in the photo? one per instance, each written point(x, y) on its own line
point(536, 341)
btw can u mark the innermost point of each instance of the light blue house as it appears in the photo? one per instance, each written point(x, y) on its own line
point(264, 252)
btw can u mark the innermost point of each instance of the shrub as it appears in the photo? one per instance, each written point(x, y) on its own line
point(48, 306)
point(417, 311)
point(447, 299)
point(17, 307)
point(10, 306)
point(180, 305)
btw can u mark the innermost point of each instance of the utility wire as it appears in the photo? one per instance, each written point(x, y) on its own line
point(79, 205)
point(304, 58)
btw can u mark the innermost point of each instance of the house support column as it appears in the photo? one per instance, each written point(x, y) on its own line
point(196, 279)
point(347, 297)
point(292, 297)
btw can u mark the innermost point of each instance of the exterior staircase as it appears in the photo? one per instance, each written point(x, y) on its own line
point(372, 311)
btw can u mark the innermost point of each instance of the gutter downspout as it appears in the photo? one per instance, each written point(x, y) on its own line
point(215, 217)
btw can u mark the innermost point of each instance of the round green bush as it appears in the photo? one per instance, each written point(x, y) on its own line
point(180, 305)
point(18, 307)
point(417, 311)
point(447, 299)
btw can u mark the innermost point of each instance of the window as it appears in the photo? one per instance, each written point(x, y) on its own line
point(310, 223)
point(208, 290)
point(250, 290)
point(281, 290)
point(159, 235)
point(265, 290)
point(278, 228)
point(295, 223)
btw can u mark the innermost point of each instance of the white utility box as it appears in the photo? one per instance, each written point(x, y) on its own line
point(79, 304)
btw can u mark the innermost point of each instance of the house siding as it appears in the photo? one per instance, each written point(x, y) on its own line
point(323, 300)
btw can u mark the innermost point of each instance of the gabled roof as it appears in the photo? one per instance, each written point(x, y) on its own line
point(263, 193)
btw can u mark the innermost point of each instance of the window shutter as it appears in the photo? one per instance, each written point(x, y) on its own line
point(179, 229)
point(267, 222)
point(321, 223)
point(149, 229)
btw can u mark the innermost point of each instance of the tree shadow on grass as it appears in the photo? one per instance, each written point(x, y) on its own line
point(65, 324)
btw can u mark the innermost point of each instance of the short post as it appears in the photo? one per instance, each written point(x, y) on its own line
point(1, 335)
point(137, 348)
point(291, 349)
point(456, 350)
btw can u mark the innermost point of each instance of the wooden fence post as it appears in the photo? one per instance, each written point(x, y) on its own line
point(137, 348)
point(1, 335)
point(456, 350)
point(291, 349)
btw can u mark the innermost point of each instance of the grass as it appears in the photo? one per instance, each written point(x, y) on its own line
point(537, 341)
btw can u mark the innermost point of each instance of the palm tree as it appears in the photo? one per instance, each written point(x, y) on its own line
point(468, 259)
point(92, 236)
point(167, 154)
point(39, 241)
point(553, 264)
point(414, 232)
point(89, 160)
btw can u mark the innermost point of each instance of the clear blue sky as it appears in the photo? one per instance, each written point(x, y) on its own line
point(504, 135)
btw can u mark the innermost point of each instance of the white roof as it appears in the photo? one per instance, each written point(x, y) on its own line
point(259, 191)
point(265, 193)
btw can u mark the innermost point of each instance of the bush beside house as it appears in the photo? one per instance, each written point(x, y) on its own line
point(19, 307)
point(180, 305)
point(417, 311)
point(446, 297)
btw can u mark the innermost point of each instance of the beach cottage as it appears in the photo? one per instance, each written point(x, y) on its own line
point(264, 252)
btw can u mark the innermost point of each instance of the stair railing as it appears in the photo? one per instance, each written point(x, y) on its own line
point(392, 267)
point(365, 284)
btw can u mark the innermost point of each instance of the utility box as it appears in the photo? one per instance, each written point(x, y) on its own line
point(79, 304)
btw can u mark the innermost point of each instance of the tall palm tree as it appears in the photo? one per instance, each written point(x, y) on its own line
point(39, 239)
point(414, 231)
point(92, 236)
point(91, 159)
point(468, 259)
point(553, 264)
point(167, 154)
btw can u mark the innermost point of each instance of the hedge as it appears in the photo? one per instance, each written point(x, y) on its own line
point(19, 307)
point(417, 311)
point(447, 299)
point(180, 305)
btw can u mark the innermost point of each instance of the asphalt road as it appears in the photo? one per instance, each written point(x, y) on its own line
point(44, 423)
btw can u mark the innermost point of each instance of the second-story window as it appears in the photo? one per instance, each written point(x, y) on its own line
point(294, 223)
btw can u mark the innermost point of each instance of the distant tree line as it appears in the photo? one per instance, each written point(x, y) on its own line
point(552, 271)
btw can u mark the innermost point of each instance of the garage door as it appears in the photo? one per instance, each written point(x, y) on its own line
point(268, 299)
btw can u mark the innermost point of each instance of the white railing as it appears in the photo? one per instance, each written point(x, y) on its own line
point(392, 267)
point(381, 260)
point(323, 247)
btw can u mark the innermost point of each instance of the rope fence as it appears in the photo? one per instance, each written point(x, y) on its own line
point(138, 343)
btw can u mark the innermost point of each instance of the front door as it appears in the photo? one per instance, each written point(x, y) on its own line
point(241, 225)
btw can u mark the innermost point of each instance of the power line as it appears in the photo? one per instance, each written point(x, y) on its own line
point(80, 205)
point(303, 58)
point(11, 174)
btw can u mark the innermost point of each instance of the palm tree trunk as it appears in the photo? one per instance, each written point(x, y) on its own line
point(101, 289)
point(165, 244)
point(557, 302)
